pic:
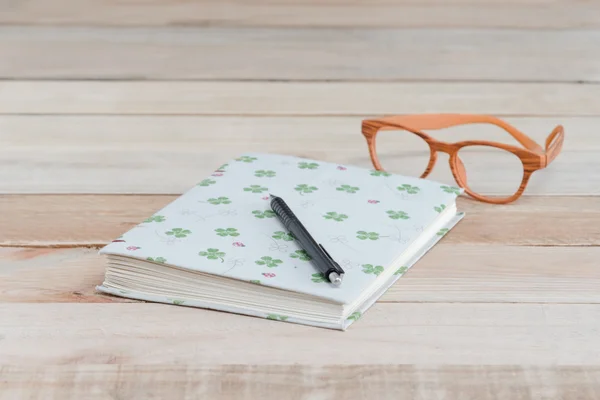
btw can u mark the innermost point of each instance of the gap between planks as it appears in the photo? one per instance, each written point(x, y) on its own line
point(533, 14)
point(300, 54)
point(299, 382)
point(449, 273)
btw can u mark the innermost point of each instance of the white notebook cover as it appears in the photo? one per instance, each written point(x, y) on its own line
point(224, 226)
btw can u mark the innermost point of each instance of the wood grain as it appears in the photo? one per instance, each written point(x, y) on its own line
point(82, 220)
point(299, 54)
point(448, 273)
point(86, 154)
point(306, 13)
point(328, 382)
point(297, 98)
point(425, 334)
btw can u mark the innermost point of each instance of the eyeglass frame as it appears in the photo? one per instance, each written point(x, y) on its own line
point(532, 155)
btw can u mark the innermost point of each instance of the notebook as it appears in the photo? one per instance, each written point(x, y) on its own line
point(219, 246)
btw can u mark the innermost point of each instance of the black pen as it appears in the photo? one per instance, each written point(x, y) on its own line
point(320, 257)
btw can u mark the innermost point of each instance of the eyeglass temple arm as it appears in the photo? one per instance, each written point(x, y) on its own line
point(554, 143)
point(441, 121)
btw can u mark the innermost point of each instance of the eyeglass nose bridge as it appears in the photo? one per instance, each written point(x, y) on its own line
point(443, 147)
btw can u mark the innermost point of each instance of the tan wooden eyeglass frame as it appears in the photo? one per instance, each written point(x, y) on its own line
point(532, 155)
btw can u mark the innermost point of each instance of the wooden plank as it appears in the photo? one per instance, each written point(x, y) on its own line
point(389, 333)
point(62, 154)
point(297, 98)
point(250, 382)
point(81, 220)
point(308, 13)
point(448, 273)
point(299, 54)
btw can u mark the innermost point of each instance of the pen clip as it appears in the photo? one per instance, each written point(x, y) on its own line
point(337, 267)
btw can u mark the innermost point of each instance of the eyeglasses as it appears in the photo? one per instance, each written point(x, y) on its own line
point(498, 158)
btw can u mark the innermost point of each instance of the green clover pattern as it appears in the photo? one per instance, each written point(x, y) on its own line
point(255, 189)
point(222, 167)
point(451, 189)
point(335, 216)
point(401, 271)
point(219, 200)
point(307, 165)
point(301, 255)
point(227, 232)
point(263, 214)
point(440, 208)
point(319, 277)
point(178, 232)
point(212, 254)
point(269, 261)
point(380, 173)
point(160, 260)
point(280, 235)
point(397, 214)
point(348, 189)
point(355, 316)
point(261, 173)
point(178, 302)
point(304, 188)
point(372, 269)
point(255, 281)
point(408, 188)
point(246, 159)
point(207, 182)
point(277, 317)
point(155, 218)
point(363, 235)
point(442, 231)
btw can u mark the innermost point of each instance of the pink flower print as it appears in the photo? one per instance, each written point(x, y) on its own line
point(268, 275)
point(217, 174)
point(133, 248)
point(373, 201)
point(239, 244)
point(265, 198)
point(341, 168)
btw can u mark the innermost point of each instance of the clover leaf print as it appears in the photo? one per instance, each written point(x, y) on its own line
point(308, 165)
point(155, 218)
point(371, 269)
point(335, 216)
point(255, 189)
point(178, 232)
point(451, 189)
point(212, 254)
point(319, 277)
point(303, 188)
point(355, 316)
point(246, 159)
point(347, 189)
point(442, 231)
point(280, 235)
point(178, 302)
point(255, 281)
point(207, 182)
point(301, 255)
point(440, 208)
point(160, 260)
point(269, 261)
point(263, 214)
point(362, 235)
point(397, 214)
point(261, 173)
point(401, 271)
point(408, 188)
point(219, 200)
point(277, 317)
point(380, 173)
point(222, 168)
point(227, 232)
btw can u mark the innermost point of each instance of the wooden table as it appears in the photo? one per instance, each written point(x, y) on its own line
point(108, 110)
